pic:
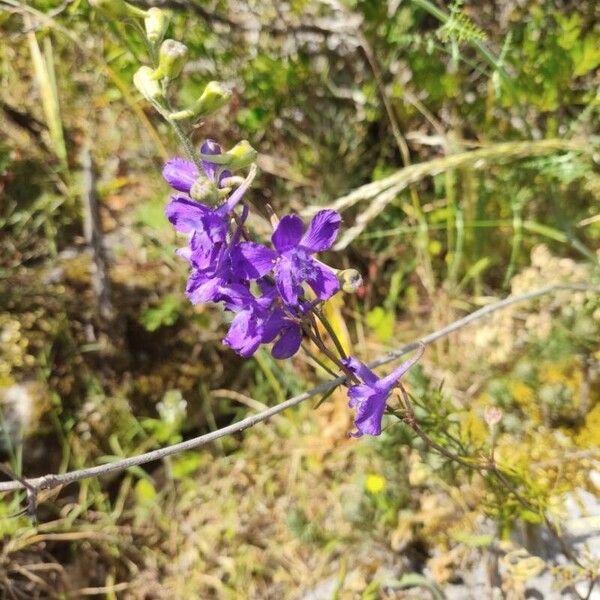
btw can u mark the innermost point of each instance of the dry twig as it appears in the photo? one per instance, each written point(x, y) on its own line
point(56, 480)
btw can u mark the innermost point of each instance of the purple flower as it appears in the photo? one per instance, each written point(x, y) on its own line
point(181, 174)
point(223, 265)
point(293, 261)
point(257, 322)
point(246, 332)
point(369, 398)
point(288, 332)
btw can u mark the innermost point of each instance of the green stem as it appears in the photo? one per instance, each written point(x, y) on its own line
point(516, 244)
point(187, 144)
point(331, 332)
point(314, 357)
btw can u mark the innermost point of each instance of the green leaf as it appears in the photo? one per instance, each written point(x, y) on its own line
point(586, 55)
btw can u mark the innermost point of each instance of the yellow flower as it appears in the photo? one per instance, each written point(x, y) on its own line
point(375, 483)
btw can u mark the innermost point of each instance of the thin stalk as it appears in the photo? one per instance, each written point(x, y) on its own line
point(450, 208)
point(310, 329)
point(331, 332)
point(459, 245)
point(489, 466)
point(187, 144)
point(319, 362)
point(516, 242)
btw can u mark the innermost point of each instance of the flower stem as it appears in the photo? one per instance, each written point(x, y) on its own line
point(332, 334)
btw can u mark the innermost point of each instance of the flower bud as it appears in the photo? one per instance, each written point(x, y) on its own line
point(492, 415)
point(117, 9)
point(240, 156)
point(146, 85)
point(171, 60)
point(156, 23)
point(204, 190)
point(232, 181)
point(350, 280)
point(214, 97)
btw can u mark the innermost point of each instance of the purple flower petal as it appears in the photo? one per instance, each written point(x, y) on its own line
point(360, 370)
point(210, 168)
point(201, 289)
point(289, 342)
point(369, 398)
point(358, 393)
point(185, 252)
point(322, 231)
point(204, 252)
point(369, 413)
point(185, 215)
point(236, 196)
point(275, 322)
point(286, 281)
point(251, 261)
point(387, 383)
point(180, 174)
point(288, 233)
point(322, 280)
point(244, 335)
point(237, 297)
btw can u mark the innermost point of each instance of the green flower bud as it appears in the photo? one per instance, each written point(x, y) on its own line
point(214, 97)
point(117, 9)
point(204, 190)
point(171, 60)
point(240, 156)
point(146, 85)
point(156, 23)
point(350, 280)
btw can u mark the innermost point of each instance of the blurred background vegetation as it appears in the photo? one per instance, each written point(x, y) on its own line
point(477, 123)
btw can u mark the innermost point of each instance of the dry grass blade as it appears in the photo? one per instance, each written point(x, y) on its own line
point(383, 191)
point(43, 65)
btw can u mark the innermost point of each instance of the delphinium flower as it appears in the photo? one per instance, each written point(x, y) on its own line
point(294, 263)
point(369, 398)
point(259, 320)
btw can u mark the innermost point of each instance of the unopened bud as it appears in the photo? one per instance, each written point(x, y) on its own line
point(492, 415)
point(118, 9)
point(214, 97)
point(146, 85)
point(171, 60)
point(240, 156)
point(232, 181)
point(156, 23)
point(350, 280)
point(204, 190)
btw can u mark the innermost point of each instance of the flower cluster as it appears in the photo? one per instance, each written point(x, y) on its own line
point(273, 291)
point(262, 286)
